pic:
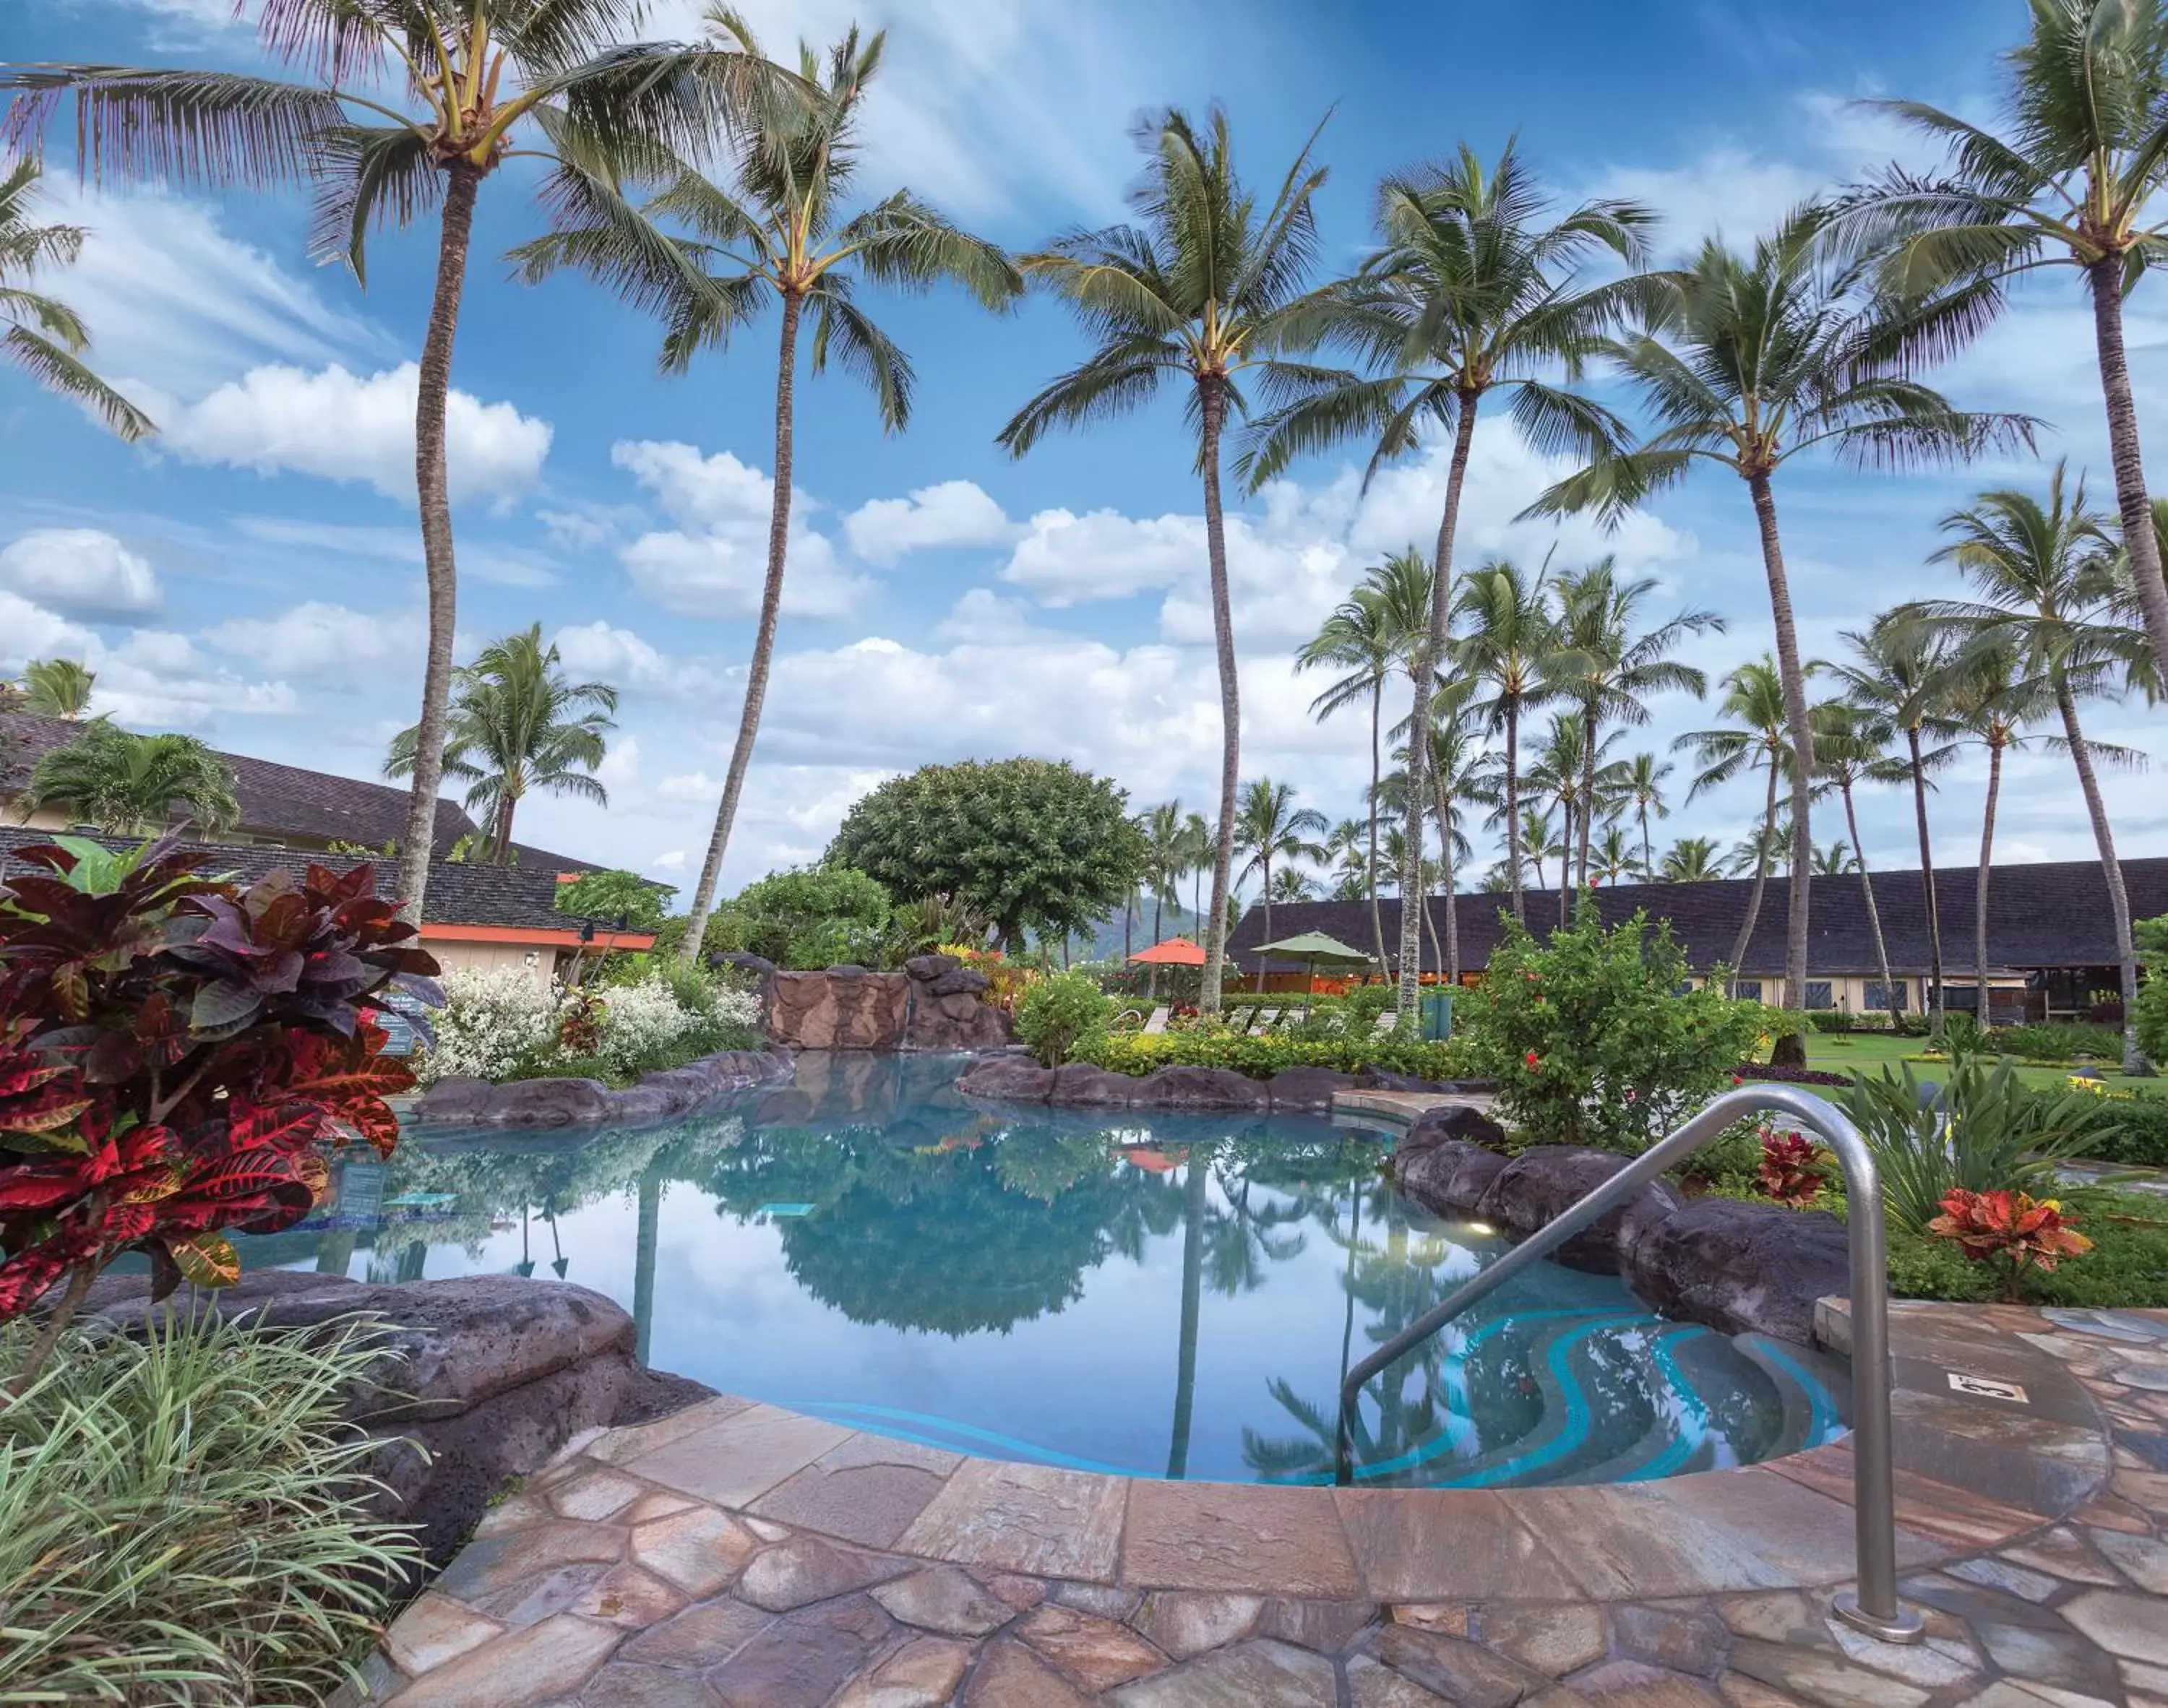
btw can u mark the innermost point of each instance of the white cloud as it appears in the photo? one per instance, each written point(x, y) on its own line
point(952, 513)
point(983, 615)
point(327, 643)
point(152, 679)
point(696, 786)
point(342, 425)
point(714, 563)
point(670, 860)
point(28, 630)
point(79, 569)
point(1065, 559)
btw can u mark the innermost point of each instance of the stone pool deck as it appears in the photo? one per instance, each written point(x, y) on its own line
point(735, 1556)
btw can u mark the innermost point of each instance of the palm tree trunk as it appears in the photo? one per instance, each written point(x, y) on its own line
point(2138, 538)
point(1513, 808)
point(1421, 670)
point(1565, 860)
point(1587, 782)
point(1446, 870)
point(1761, 879)
point(433, 494)
point(764, 644)
point(2119, 897)
point(1934, 1004)
point(1647, 859)
point(1213, 397)
point(1267, 858)
point(1193, 1205)
point(1979, 897)
point(507, 805)
point(1873, 912)
point(1377, 764)
point(1795, 681)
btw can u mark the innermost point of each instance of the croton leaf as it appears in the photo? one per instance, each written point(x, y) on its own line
point(293, 1123)
point(223, 1008)
point(206, 1260)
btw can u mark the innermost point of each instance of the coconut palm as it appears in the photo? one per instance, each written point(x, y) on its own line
point(1369, 636)
point(1609, 665)
point(1290, 884)
point(705, 257)
point(1690, 860)
point(1165, 857)
point(1456, 775)
point(1540, 841)
point(517, 727)
point(1613, 858)
point(1755, 360)
point(130, 785)
point(1200, 844)
point(1562, 772)
point(1835, 861)
point(1852, 746)
point(44, 337)
point(1197, 291)
point(1269, 826)
point(2072, 176)
point(1757, 738)
point(57, 687)
point(1760, 850)
point(1475, 289)
point(1508, 639)
point(1644, 789)
point(1355, 874)
point(2047, 586)
point(1900, 671)
point(475, 84)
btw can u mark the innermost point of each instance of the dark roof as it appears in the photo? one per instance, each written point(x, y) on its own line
point(459, 894)
point(277, 800)
point(2046, 915)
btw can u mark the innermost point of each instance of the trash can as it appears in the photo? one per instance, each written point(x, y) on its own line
point(1437, 1016)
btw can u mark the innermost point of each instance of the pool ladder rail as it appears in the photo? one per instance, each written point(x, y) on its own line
point(1872, 1607)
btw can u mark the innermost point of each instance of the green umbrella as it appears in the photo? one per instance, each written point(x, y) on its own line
point(1318, 950)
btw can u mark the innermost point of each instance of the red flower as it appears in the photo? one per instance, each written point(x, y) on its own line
point(1532, 1059)
point(1736, 1080)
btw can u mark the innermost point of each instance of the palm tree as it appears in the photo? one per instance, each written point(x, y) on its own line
point(1474, 289)
point(45, 338)
point(1757, 739)
point(1455, 772)
point(1539, 840)
point(2047, 586)
point(1290, 884)
point(57, 687)
point(130, 785)
point(1198, 290)
point(1835, 861)
point(2074, 180)
point(1508, 641)
point(1690, 860)
point(1852, 746)
point(1562, 772)
point(1902, 675)
point(481, 81)
point(1368, 636)
point(1610, 666)
point(705, 258)
point(1166, 854)
point(1753, 361)
point(1200, 844)
point(1645, 788)
point(1268, 825)
point(1612, 858)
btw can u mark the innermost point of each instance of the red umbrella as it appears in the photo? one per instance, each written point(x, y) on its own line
point(1175, 951)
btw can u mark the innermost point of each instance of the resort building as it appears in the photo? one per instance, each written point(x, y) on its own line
point(2051, 949)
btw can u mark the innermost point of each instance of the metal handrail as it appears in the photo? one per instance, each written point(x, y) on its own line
point(1874, 1608)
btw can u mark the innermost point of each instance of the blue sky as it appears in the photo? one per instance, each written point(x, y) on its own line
point(253, 575)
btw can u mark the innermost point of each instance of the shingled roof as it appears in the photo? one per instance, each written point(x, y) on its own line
point(277, 800)
point(2053, 914)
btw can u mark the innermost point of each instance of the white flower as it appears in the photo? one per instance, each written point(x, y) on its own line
point(490, 1023)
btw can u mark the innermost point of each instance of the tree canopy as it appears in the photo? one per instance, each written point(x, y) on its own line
point(1031, 844)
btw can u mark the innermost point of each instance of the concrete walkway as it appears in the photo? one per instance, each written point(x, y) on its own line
point(735, 1556)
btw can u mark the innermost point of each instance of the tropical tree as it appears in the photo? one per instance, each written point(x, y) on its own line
point(1370, 634)
point(1835, 861)
point(1475, 289)
point(1609, 665)
point(45, 338)
point(1751, 362)
point(57, 687)
point(518, 727)
point(1562, 772)
point(1165, 857)
point(706, 257)
point(1198, 290)
point(1757, 738)
point(1509, 637)
point(1269, 826)
point(2047, 586)
point(1852, 746)
point(1613, 858)
point(1690, 860)
point(1291, 884)
point(1200, 845)
point(1644, 789)
point(1900, 672)
point(476, 83)
point(1456, 772)
point(131, 785)
point(2071, 177)
point(1355, 873)
point(1540, 841)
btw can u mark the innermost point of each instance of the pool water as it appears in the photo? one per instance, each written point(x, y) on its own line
point(1154, 1295)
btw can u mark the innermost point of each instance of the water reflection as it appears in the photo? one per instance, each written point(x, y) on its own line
point(1175, 1296)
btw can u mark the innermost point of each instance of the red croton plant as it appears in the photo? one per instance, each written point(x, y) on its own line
point(1795, 1169)
point(2009, 1228)
point(177, 1058)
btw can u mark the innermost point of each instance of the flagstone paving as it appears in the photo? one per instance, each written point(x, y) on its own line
point(736, 1556)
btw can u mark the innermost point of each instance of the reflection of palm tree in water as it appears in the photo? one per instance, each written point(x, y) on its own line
point(643, 1270)
point(1195, 1200)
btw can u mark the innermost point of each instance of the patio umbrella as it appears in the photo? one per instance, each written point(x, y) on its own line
point(1318, 950)
point(1175, 951)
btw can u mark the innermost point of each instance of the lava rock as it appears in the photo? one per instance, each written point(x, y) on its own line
point(1306, 1088)
point(930, 967)
point(1532, 1190)
point(550, 1103)
point(758, 966)
point(962, 981)
point(1456, 1121)
point(456, 1101)
point(1080, 1085)
point(1199, 1088)
point(1740, 1267)
point(845, 1008)
point(1448, 1178)
point(1008, 1080)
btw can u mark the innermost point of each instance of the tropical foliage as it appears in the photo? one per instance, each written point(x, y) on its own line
point(1056, 1014)
point(128, 784)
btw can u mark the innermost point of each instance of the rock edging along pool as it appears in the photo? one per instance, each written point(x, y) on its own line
point(1160, 1296)
point(580, 1102)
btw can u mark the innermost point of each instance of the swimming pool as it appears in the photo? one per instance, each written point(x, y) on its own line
point(1158, 1296)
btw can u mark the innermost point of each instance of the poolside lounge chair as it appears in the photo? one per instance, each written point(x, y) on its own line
point(1156, 1024)
point(1267, 1018)
point(1385, 1023)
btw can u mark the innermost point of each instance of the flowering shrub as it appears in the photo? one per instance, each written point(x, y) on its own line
point(638, 1024)
point(2011, 1230)
point(1795, 1169)
point(1210, 1046)
point(494, 1025)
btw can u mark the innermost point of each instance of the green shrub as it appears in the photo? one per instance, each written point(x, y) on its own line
point(809, 916)
point(185, 1518)
point(1261, 1057)
point(1057, 1014)
point(2151, 1016)
point(1592, 1038)
point(1832, 1020)
point(2132, 1131)
point(2127, 1269)
point(2064, 1040)
point(615, 895)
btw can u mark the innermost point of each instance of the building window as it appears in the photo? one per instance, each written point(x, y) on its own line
point(1882, 997)
point(1748, 989)
point(1819, 995)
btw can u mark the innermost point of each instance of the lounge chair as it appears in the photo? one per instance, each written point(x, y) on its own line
point(1156, 1024)
point(1385, 1024)
point(1267, 1018)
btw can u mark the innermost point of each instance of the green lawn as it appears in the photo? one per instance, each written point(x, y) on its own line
point(1845, 1053)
